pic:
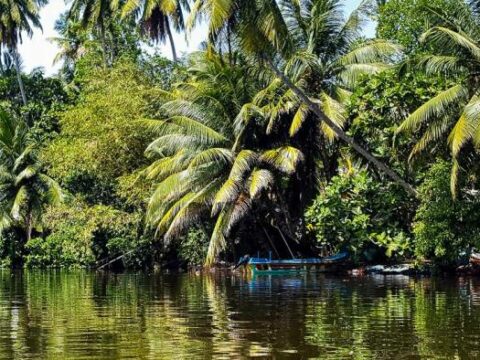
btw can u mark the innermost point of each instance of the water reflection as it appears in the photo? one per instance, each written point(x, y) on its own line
point(82, 315)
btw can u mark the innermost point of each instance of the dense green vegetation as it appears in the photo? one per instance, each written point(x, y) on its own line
point(290, 127)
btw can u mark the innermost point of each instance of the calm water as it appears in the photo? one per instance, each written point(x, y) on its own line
point(83, 315)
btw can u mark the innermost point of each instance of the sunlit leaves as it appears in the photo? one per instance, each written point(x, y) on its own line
point(201, 165)
point(456, 53)
point(437, 106)
point(260, 180)
point(285, 158)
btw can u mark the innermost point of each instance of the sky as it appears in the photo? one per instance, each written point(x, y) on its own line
point(39, 51)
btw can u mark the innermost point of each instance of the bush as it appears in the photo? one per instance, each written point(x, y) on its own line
point(79, 235)
point(193, 247)
point(443, 227)
point(355, 211)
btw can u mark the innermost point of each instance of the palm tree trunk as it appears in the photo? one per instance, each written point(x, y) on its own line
point(104, 43)
point(114, 42)
point(16, 61)
point(229, 44)
point(341, 134)
point(29, 227)
point(172, 43)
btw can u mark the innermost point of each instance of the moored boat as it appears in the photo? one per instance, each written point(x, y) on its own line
point(258, 265)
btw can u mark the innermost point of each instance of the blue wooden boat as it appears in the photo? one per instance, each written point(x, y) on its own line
point(258, 265)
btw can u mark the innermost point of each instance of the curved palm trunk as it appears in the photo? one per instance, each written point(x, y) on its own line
point(341, 134)
point(16, 62)
point(172, 42)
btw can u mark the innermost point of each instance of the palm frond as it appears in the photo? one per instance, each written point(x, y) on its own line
point(466, 127)
point(454, 177)
point(244, 162)
point(187, 210)
point(54, 193)
point(433, 133)
point(335, 111)
point(19, 202)
point(226, 194)
point(298, 119)
point(284, 159)
point(437, 64)
point(26, 174)
point(352, 73)
point(370, 52)
point(260, 180)
point(435, 107)
point(217, 240)
point(195, 128)
point(446, 38)
point(219, 155)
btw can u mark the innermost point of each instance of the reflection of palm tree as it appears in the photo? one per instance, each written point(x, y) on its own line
point(224, 334)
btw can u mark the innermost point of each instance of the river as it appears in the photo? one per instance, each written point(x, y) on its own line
point(88, 315)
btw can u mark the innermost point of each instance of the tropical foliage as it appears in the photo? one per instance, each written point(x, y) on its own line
point(157, 18)
point(453, 113)
point(25, 189)
point(444, 228)
point(358, 213)
point(18, 17)
point(293, 130)
point(206, 162)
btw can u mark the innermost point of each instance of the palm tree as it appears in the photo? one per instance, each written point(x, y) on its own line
point(17, 17)
point(327, 57)
point(456, 46)
point(71, 42)
point(157, 18)
point(309, 41)
point(204, 163)
point(24, 188)
point(94, 15)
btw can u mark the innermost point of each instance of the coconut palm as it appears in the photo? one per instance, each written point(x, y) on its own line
point(325, 57)
point(71, 42)
point(455, 110)
point(157, 17)
point(18, 17)
point(315, 55)
point(204, 165)
point(327, 60)
point(24, 188)
point(94, 15)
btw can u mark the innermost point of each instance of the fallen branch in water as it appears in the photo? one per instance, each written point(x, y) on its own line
point(115, 259)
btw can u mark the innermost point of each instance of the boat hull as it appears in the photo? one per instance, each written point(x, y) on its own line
point(273, 270)
point(267, 266)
